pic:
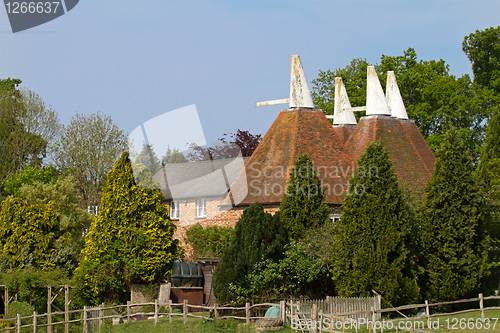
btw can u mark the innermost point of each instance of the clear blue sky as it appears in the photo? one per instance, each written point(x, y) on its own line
point(136, 60)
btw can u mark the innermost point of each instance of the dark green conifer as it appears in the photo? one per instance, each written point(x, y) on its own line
point(257, 236)
point(453, 219)
point(303, 206)
point(371, 251)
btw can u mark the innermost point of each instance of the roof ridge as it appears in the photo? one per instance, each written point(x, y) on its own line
point(295, 139)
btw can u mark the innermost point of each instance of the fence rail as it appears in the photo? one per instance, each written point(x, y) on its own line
point(335, 308)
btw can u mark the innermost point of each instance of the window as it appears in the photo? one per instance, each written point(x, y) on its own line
point(174, 210)
point(201, 208)
point(94, 210)
point(335, 218)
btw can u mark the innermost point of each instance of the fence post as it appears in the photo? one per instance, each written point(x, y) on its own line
point(18, 323)
point(49, 310)
point(129, 312)
point(156, 311)
point(66, 308)
point(247, 314)
point(85, 319)
point(481, 306)
point(373, 320)
point(185, 310)
point(314, 316)
point(291, 309)
point(320, 319)
point(34, 321)
point(427, 312)
point(216, 312)
point(283, 311)
point(6, 294)
point(170, 311)
point(101, 314)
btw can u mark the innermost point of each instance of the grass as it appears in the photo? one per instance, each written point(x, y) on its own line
point(195, 325)
point(444, 324)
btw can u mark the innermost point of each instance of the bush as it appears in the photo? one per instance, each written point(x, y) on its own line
point(30, 285)
point(208, 242)
point(22, 308)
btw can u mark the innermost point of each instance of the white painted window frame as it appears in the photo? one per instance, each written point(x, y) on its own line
point(201, 208)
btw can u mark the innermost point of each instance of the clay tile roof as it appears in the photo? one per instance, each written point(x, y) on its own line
point(293, 133)
point(344, 132)
point(413, 159)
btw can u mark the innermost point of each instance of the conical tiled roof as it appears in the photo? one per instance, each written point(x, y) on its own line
point(413, 160)
point(293, 133)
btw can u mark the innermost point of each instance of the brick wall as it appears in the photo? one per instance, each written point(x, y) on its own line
point(215, 216)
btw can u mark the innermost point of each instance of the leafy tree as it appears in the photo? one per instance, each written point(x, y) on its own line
point(130, 241)
point(38, 118)
point(42, 185)
point(28, 176)
point(148, 158)
point(488, 169)
point(303, 206)
point(483, 49)
point(354, 78)
point(241, 142)
point(209, 241)
point(257, 236)
point(453, 220)
point(30, 286)
point(303, 271)
point(28, 233)
point(372, 250)
point(87, 149)
point(173, 156)
point(246, 141)
point(18, 146)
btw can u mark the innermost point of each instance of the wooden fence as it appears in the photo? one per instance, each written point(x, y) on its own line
point(331, 308)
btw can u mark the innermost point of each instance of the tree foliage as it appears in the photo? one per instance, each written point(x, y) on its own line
point(246, 141)
point(30, 286)
point(209, 241)
point(18, 146)
point(257, 236)
point(372, 246)
point(453, 221)
point(483, 50)
point(38, 118)
point(173, 156)
point(303, 271)
point(87, 149)
point(488, 169)
point(242, 142)
point(131, 239)
point(28, 233)
point(303, 206)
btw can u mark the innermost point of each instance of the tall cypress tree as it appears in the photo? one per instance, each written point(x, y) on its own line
point(257, 236)
point(371, 251)
point(131, 239)
point(488, 175)
point(303, 204)
point(488, 170)
point(453, 219)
